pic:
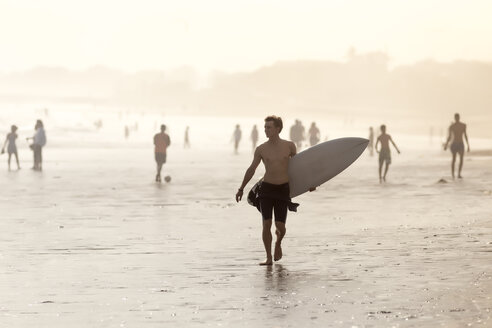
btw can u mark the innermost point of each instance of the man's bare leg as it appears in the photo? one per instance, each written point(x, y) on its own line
point(280, 232)
point(452, 164)
point(385, 171)
point(158, 176)
point(17, 160)
point(267, 241)
point(9, 160)
point(460, 165)
point(380, 169)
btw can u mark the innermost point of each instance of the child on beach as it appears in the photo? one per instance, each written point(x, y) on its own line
point(12, 148)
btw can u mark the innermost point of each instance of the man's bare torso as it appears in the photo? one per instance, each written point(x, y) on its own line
point(384, 140)
point(458, 130)
point(275, 157)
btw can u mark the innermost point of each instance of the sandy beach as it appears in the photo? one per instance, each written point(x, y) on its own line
point(92, 241)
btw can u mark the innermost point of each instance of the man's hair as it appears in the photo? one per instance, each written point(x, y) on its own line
point(457, 115)
point(277, 121)
point(163, 127)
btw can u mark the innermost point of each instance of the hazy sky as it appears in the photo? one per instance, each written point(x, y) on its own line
point(236, 35)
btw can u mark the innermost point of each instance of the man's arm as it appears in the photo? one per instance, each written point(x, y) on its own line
point(376, 145)
point(168, 141)
point(6, 139)
point(466, 138)
point(249, 174)
point(394, 145)
point(293, 149)
point(449, 138)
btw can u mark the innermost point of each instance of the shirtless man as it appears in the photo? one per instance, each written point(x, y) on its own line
point(161, 142)
point(274, 190)
point(457, 130)
point(384, 152)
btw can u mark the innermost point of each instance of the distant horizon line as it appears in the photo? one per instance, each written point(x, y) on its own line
point(226, 71)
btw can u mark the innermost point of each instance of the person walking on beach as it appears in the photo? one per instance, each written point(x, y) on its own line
point(297, 133)
point(254, 137)
point(274, 189)
point(370, 145)
point(187, 138)
point(236, 137)
point(384, 152)
point(314, 135)
point(12, 148)
point(457, 131)
point(161, 142)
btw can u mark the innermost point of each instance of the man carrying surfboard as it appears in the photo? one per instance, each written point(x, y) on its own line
point(274, 189)
point(384, 152)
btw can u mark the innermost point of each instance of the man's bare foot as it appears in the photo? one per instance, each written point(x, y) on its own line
point(267, 262)
point(460, 177)
point(278, 252)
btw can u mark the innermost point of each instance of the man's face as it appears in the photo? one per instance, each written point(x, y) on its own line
point(270, 129)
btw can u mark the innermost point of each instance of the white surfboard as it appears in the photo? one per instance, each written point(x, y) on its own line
point(318, 164)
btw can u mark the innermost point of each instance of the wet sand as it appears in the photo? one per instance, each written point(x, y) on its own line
point(93, 242)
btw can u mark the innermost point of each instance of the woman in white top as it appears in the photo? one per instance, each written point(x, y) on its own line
point(39, 140)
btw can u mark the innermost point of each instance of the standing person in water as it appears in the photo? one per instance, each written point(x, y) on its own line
point(370, 145)
point(314, 135)
point(384, 153)
point(187, 138)
point(254, 137)
point(457, 131)
point(39, 141)
point(274, 189)
point(161, 142)
point(236, 136)
point(12, 148)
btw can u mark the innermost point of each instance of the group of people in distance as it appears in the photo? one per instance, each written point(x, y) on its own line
point(456, 134)
point(38, 142)
point(297, 135)
point(273, 191)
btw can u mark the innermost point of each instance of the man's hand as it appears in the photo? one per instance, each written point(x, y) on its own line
point(445, 146)
point(239, 195)
point(468, 148)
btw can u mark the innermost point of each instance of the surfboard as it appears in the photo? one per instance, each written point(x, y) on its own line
point(316, 165)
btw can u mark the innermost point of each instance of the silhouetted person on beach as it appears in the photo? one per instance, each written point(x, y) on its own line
point(274, 189)
point(187, 138)
point(127, 131)
point(38, 142)
point(12, 148)
point(370, 145)
point(161, 142)
point(297, 134)
point(236, 137)
point(384, 153)
point(314, 135)
point(254, 137)
point(457, 131)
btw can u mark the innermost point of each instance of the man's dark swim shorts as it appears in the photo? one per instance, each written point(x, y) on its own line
point(274, 198)
point(457, 147)
point(160, 158)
